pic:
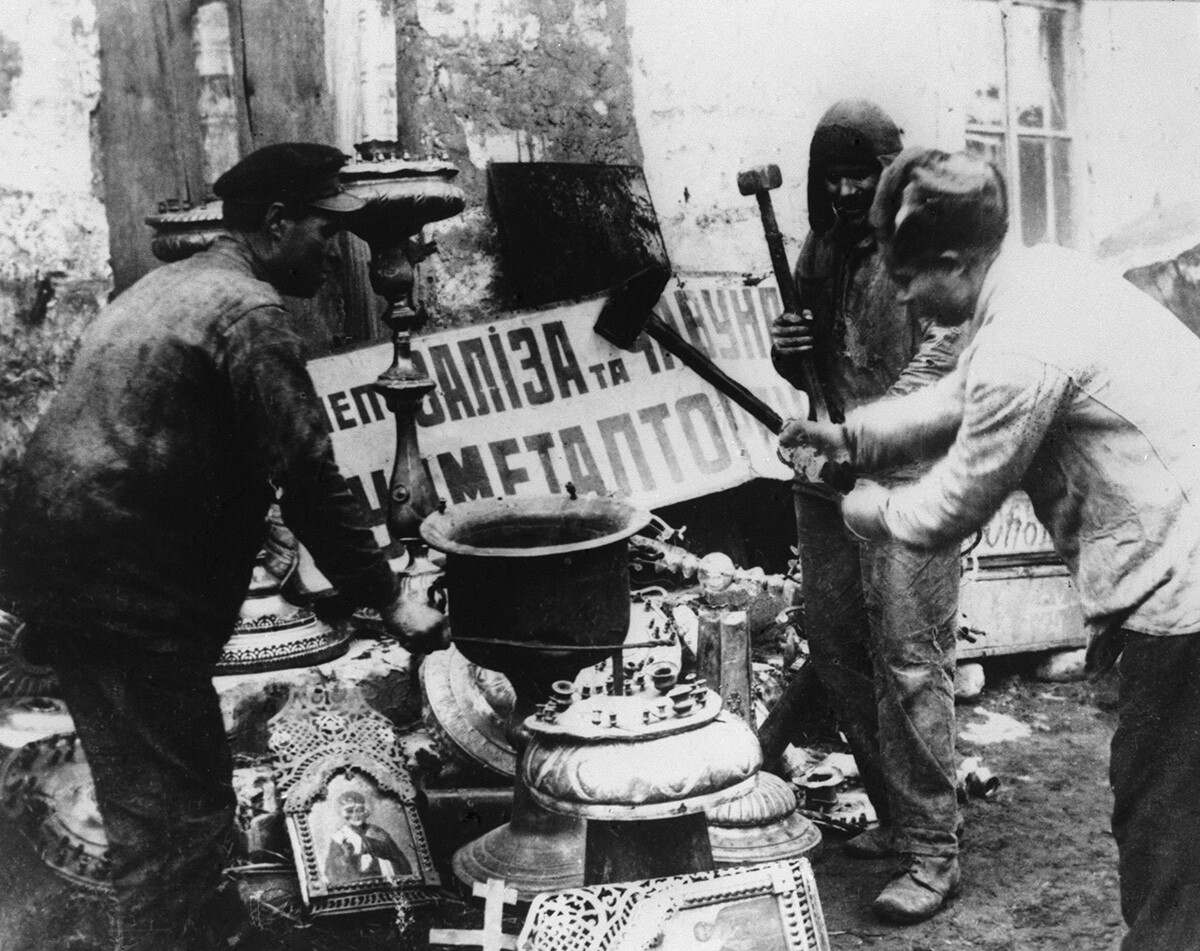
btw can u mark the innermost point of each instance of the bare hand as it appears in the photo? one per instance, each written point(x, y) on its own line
point(792, 333)
point(418, 627)
point(829, 439)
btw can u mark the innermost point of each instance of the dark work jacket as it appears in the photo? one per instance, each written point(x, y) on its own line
point(868, 345)
point(143, 493)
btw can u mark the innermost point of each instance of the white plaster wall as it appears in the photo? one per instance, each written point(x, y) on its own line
point(1142, 95)
point(719, 86)
point(52, 219)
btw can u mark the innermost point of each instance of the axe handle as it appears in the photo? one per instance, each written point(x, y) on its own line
point(818, 406)
point(699, 361)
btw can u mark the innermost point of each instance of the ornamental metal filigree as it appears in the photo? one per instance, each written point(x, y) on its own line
point(771, 907)
point(20, 677)
point(349, 804)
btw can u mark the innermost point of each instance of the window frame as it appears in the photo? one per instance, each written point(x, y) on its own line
point(1012, 133)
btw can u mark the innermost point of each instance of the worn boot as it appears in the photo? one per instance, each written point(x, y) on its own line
point(876, 843)
point(921, 886)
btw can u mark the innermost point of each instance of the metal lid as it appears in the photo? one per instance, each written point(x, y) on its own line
point(470, 705)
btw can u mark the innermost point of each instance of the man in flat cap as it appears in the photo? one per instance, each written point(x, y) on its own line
point(139, 510)
point(1082, 391)
point(881, 618)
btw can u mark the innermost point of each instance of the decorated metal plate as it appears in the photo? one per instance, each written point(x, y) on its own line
point(470, 705)
point(46, 791)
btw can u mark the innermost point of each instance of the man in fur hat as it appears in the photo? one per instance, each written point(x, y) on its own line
point(1081, 390)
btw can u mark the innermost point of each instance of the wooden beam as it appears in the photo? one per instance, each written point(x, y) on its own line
point(148, 122)
point(279, 52)
point(410, 77)
point(279, 62)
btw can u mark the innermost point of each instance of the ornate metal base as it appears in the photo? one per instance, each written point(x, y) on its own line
point(762, 826)
point(539, 851)
point(277, 635)
point(651, 848)
point(19, 677)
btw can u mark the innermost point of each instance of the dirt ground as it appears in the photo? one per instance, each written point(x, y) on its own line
point(1039, 864)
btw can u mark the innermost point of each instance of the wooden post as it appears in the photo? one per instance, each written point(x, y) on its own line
point(150, 131)
point(410, 75)
point(148, 120)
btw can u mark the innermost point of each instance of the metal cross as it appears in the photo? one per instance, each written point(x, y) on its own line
point(495, 896)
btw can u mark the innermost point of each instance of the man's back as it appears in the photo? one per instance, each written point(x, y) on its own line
point(1116, 478)
point(138, 503)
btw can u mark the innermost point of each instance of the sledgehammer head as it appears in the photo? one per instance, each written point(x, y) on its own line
point(761, 178)
point(627, 310)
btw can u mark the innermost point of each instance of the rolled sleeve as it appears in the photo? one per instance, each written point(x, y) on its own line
point(1011, 403)
point(284, 431)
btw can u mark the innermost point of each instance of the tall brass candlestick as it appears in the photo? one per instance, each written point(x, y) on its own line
point(403, 386)
point(402, 196)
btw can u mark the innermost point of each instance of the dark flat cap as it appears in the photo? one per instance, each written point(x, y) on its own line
point(299, 172)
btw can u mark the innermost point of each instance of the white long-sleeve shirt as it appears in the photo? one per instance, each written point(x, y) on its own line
point(1084, 392)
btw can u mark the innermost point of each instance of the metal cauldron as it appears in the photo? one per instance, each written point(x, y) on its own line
point(528, 575)
point(534, 585)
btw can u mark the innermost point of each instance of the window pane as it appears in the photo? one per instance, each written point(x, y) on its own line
point(1034, 213)
point(1038, 74)
point(986, 105)
point(1060, 179)
point(1046, 212)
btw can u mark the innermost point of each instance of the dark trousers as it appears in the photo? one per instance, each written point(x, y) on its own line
point(881, 622)
point(1155, 774)
point(155, 742)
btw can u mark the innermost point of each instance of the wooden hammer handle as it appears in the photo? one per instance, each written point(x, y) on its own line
point(699, 361)
point(818, 407)
point(838, 475)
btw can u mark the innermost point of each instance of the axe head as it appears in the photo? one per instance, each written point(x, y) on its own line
point(761, 178)
point(627, 309)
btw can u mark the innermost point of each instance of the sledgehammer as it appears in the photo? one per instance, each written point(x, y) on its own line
point(759, 182)
point(627, 312)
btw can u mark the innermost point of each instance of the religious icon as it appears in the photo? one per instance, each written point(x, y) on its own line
point(360, 849)
point(349, 804)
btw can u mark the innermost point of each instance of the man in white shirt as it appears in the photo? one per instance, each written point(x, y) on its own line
point(1082, 391)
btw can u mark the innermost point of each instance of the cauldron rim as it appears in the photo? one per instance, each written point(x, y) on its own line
point(437, 529)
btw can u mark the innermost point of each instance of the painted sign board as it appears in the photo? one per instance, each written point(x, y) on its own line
point(533, 401)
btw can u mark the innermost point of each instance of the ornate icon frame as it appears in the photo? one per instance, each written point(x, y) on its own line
point(639, 916)
point(327, 734)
